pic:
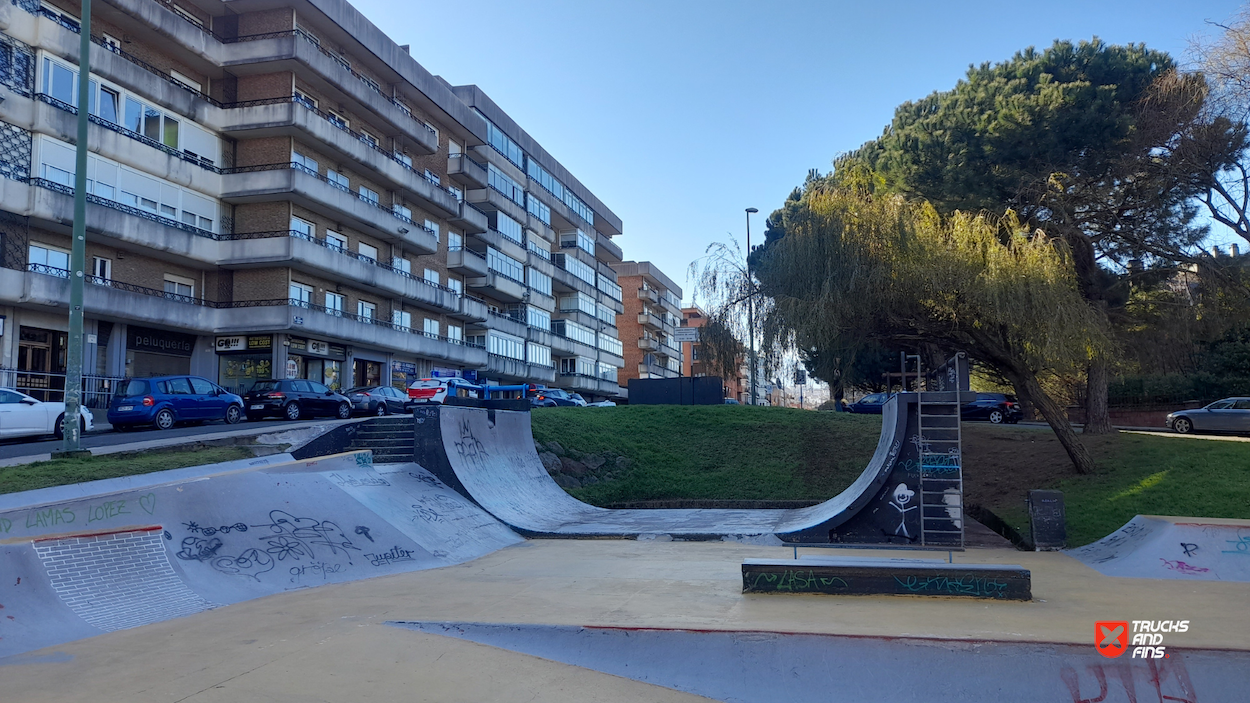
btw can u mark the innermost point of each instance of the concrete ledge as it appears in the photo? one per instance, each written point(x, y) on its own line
point(852, 576)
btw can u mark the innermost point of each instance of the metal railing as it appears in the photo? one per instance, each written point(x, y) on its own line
point(296, 166)
point(465, 157)
point(122, 207)
point(97, 390)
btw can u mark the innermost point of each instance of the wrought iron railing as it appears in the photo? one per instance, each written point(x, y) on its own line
point(97, 390)
point(465, 157)
point(122, 207)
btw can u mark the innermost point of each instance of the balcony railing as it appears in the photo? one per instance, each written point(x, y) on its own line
point(130, 209)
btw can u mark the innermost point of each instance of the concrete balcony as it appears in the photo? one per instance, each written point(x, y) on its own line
point(469, 219)
point(542, 300)
point(487, 154)
point(670, 351)
point(565, 282)
point(539, 263)
point(496, 285)
point(654, 371)
point(502, 244)
point(462, 169)
point(648, 294)
point(294, 118)
point(648, 344)
point(471, 309)
point(492, 200)
point(608, 357)
point(582, 318)
point(515, 370)
point(467, 262)
point(671, 307)
point(538, 336)
point(590, 384)
point(331, 201)
point(607, 249)
point(503, 323)
point(650, 321)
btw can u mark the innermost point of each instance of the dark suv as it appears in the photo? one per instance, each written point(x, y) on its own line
point(293, 398)
point(995, 407)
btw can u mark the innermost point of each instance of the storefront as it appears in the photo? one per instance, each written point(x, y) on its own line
point(152, 352)
point(242, 360)
point(41, 355)
point(315, 360)
point(403, 373)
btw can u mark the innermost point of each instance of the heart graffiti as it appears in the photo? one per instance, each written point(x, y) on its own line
point(148, 503)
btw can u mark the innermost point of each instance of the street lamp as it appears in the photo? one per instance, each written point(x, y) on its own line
point(751, 306)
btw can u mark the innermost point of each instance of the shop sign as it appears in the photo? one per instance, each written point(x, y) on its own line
point(316, 347)
point(292, 368)
point(440, 372)
point(262, 342)
point(229, 344)
point(148, 340)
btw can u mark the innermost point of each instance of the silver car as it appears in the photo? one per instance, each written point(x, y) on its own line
point(1227, 415)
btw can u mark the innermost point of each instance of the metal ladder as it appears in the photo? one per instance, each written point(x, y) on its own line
point(940, 447)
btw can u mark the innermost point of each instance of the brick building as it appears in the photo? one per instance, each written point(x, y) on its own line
point(695, 365)
point(652, 311)
point(284, 191)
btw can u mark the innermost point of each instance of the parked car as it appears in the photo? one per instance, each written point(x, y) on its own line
point(539, 401)
point(293, 398)
point(732, 401)
point(164, 401)
point(995, 407)
point(602, 404)
point(870, 404)
point(1227, 415)
point(378, 400)
point(436, 390)
point(560, 397)
point(24, 416)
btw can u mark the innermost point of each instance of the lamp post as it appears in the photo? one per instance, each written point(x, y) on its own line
point(73, 363)
point(751, 307)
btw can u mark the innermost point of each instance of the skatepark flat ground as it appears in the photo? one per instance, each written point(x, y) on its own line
point(332, 644)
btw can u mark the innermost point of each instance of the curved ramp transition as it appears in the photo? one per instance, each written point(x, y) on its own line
point(1154, 547)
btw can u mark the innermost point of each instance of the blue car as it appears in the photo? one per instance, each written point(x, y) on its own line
point(164, 401)
point(870, 404)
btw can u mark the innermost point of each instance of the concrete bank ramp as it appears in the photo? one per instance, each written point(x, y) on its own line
point(76, 561)
point(1155, 547)
point(489, 456)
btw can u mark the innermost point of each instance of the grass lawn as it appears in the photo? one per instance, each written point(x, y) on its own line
point(43, 474)
point(719, 452)
point(1137, 474)
point(746, 453)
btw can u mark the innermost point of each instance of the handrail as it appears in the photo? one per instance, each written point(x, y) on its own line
point(466, 157)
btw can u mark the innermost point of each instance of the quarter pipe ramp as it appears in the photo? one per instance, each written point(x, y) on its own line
point(489, 457)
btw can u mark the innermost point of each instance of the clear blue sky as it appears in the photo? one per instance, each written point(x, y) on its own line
point(679, 115)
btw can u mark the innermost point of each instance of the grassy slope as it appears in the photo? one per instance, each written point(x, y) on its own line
point(735, 452)
point(58, 472)
point(716, 452)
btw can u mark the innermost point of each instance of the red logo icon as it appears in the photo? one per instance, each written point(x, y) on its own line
point(1111, 638)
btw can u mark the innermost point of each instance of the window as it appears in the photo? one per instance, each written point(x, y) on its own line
point(505, 345)
point(501, 143)
point(431, 276)
point(102, 270)
point(403, 212)
point(578, 239)
point(611, 344)
point(106, 107)
point(504, 265)
point(509, 228)
point(577, 365)
point(304, 163)
point(44, 257)
point(432, 177)
point(537, 208)
point(401, 264)
point(366, 311)
point(538, 354)
point(368, 195)
point(607, 286)
point(606, 314)
point(574, 331)
point(178, 386)
point(607, 372)
point(455, 242)
point(60, 82)
point(402, 320)
point(337, 120)
point(545, 179)
point(403, 158)
point(334, 304)
point(306, 100)
point(369, 252)
point(112, 43)
point(455, 332)
point(431, 328)
point(177, 285)
point(539, 247)
point(456, 284)
point(538, 280)
point(303, 229)
point(338, 180)
point(432, 227)
point(578, 302)
point(501, 182)
point(457, 193)
point(301, 294)
point(334, 240)
point(185, 81)
point(369, 139)
point(537, 317)
point(580, 269)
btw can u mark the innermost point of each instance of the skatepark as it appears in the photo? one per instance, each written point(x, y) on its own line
point(465, 573)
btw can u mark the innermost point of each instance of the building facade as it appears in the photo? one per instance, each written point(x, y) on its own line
point(282, 191)
point(695, 363)
point(652, 313)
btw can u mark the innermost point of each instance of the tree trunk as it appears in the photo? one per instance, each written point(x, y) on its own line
point(1058, 422)
point(1097, 414)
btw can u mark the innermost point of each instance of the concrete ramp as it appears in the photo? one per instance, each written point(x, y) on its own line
point(76, 561)
point(1154, 547)
point(489, 457)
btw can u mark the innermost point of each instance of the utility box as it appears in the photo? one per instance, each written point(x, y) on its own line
point(1047, 521)
point(703, 390)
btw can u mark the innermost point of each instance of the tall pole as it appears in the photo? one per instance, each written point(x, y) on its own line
point(78, 247)
point(751, 306)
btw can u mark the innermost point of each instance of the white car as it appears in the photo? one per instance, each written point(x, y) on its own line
point(602, 404)
point(24, 416)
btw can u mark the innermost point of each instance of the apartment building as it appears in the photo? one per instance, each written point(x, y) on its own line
point(279, 190)
point(694, 363)
point(652, 312)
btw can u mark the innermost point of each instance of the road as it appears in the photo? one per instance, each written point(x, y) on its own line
point(10, 449)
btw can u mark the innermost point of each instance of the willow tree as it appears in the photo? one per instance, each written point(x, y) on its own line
point(855, 269)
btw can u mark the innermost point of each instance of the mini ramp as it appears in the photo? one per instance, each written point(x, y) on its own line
point(1193, 549)
point(490, 458)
